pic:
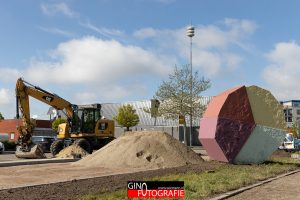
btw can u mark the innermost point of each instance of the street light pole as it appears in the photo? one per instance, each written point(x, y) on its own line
point(190, 33)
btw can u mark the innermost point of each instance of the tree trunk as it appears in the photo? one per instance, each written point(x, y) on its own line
point(127, 128)
point(184, 133)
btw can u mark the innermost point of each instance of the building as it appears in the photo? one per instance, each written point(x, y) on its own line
point(291, 111)
point(109, 110)
point(8, 129)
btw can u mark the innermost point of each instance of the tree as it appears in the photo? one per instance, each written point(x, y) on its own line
point(1, 116)
point(296, 129)
point(57, 122)
point(176, 97)
point(127, 116)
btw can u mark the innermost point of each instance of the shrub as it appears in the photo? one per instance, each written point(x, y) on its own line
point(9, 145)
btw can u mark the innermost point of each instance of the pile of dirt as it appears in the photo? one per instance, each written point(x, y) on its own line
point(72, 151)
point(144, 149)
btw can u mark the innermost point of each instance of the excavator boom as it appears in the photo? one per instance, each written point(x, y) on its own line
point(26, 149)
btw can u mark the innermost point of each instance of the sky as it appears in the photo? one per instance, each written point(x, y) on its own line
point(102, 51)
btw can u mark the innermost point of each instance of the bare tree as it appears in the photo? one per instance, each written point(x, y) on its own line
point(176, 97)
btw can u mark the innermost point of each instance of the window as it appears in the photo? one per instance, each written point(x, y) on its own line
point(3, 136)
point(103, 126)
point(298, 111)
point(296, 104)
point(12, 136)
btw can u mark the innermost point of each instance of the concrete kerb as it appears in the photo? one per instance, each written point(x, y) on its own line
point(37, 161)
point(240, 190)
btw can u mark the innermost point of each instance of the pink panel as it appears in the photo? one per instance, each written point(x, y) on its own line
point(213, 149)
point(208, 127)
point(215, 106)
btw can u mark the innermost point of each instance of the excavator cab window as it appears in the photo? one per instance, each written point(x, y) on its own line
point(89, 117)
point(103, 126)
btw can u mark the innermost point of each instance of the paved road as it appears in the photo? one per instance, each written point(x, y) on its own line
point(10, 155)
point(287, 187)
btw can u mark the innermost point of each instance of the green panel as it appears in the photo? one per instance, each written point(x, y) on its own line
point(266, 110)
point(262, 142)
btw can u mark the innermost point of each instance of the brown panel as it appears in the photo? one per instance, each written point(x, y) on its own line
point(237, 106)
point(231, 135)
point(216, 104)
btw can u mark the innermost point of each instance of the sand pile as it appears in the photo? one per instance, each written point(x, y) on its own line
point(144, 149)
point(72, 151)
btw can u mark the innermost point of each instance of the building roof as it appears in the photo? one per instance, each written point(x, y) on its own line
point(109, 110)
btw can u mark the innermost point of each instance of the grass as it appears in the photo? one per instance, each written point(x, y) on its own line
point(224, 178)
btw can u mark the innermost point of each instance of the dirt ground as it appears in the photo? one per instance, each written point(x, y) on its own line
point(73, 186)
point(64, 181)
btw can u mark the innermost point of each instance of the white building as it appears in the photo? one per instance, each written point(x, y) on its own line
point(109, 110)
point(291, 111)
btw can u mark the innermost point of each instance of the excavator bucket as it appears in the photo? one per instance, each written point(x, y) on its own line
point(35, 151)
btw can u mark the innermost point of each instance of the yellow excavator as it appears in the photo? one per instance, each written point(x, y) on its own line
point(84, 125)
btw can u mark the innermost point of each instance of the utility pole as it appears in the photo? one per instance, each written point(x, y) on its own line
point(190, 33)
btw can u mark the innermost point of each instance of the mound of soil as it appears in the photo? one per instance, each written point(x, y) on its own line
point(143, 149)
point(72, 151)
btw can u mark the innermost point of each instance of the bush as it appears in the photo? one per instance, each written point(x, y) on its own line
point(9, 145)
point(57, 122)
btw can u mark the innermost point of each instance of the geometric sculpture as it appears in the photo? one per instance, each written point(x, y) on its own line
point(242, 125)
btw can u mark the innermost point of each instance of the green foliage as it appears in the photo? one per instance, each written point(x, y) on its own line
point(127, 116)
point(296, 129)
point(57, 122)
point(175, 94)
point(1, 116)
point(9, 145)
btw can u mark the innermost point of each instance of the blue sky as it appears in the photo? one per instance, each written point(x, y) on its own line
point(116, 51)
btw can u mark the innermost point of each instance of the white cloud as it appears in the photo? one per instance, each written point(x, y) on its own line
point(90, 59)
point(283, 72)
point(103, 31)
point(212, 44)
point(57, 31)
point(6, 96)
point(146, 33)
point(7, 103)
point(9, 74)
point(59, 8)
point(85, 97)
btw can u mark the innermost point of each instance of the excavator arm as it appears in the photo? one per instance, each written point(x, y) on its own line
point(24, 90)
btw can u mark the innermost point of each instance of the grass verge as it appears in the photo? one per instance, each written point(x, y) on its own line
point(224, 178)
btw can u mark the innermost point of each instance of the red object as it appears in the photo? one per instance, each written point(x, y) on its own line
point(155, 193)
point(226, 124)
point(9, 127)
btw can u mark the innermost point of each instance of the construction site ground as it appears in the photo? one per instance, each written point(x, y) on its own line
point(62, 181)
point(66, 181)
